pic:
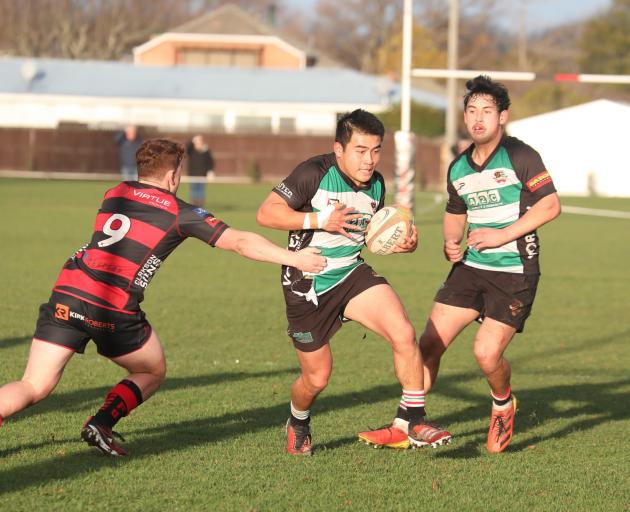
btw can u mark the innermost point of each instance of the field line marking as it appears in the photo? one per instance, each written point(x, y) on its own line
point(595, 212)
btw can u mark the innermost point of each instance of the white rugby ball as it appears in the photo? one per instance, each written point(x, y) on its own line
point(387, 227)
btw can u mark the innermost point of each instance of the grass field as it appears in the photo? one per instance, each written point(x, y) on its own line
point(212, 438)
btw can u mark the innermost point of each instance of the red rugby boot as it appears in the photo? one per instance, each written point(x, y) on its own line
point(298, 439)
point(427, 434)
point(393, 435)
point(501, 427)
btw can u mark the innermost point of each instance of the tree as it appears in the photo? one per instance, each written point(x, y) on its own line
point(605, 44)
point(546, 97)
point(354, 34)
point(480, 44)
point(97, 29)
point(425, 121)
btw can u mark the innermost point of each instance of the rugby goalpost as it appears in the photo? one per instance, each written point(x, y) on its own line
point(405, 140)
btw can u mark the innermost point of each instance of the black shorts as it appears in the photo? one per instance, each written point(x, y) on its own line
point(502, 296)
point(311, 326)
point(71, 322)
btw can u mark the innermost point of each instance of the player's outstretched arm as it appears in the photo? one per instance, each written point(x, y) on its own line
point(276, 213)
point(258, 248)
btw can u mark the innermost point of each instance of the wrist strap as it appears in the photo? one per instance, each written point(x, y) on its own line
point(318, 220)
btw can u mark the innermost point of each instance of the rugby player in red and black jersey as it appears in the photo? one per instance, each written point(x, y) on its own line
point(98, 292)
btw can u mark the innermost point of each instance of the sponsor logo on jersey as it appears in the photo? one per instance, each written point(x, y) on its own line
point(531, 247)
point(361, 223)
point(460, 185)
point(101, 264)
point(332, 200)
point(499, 177)
point(200, 212)
point(373, 206)
point(284, 190)
point(212, 221)
point(302, 337)
point(147, 271)
point(540, 180)
point(157, 200)
point(483, 199)
point(62, 312)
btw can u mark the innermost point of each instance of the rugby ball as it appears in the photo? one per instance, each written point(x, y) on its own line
point(388, 226)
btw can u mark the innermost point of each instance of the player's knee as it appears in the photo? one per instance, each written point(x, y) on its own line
point(431, 345)
point(403, 337)
point(37, 391)
point(159, 371)
point(487, 357)
point(317, 382)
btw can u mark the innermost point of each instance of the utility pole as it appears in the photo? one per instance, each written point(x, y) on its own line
point(522, 37)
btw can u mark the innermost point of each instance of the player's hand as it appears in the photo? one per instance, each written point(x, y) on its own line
point(309, 260)
point(409, 243)
point(340, 220)
point(452, 251)
point(486, 238)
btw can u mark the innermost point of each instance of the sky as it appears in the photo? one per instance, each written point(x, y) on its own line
point(541, 14)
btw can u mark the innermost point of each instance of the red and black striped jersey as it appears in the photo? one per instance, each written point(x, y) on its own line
point(136, 229)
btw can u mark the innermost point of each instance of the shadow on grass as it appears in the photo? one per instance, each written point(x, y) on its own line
point(176, 436)
point(592, 404)
point(595, 403)
point(12, 342)
point(81, 399)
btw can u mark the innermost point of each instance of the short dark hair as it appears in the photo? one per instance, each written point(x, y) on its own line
point(155, 157)
point(360, 121)
point(483, 84)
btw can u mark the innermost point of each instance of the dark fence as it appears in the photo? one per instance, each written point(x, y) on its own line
point(257, 156)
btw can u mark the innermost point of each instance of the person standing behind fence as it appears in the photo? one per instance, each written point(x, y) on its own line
point(200, 168)
point(128, 143)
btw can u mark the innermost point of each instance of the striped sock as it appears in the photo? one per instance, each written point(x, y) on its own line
point(119, 402)
point(501, 400)
point(413, 402)
point(300, 417)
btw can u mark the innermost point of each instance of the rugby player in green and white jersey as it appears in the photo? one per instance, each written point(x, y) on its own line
point(499, 187)
point(327, 202)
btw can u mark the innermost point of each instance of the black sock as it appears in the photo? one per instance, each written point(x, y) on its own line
point(300, 423)
point(402, 413)
point(502, 402)
point(416, 415)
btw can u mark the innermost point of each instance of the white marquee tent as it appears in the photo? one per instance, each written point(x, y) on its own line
point(586, 148)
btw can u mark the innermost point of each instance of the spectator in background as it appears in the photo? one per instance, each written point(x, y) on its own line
point(200, 169)
point(462, 144)
point(128, 143)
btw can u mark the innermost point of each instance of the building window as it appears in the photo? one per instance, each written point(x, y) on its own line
point(208, 122)
point(218, 58)
point(286, 125)
point(252, 124)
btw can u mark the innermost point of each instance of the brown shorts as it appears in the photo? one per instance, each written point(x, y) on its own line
point(72, 323)
point(311, 326)
point(502, 296)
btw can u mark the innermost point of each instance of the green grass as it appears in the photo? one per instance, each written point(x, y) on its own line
point(212, 437)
